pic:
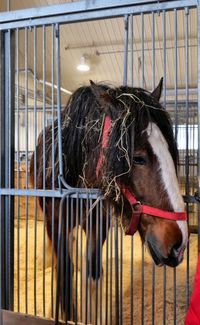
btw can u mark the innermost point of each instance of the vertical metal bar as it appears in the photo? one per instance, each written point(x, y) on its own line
point(100, 258)
point(7, 161)
point(81, 258)
point(116, 273)
point(2, 171)
point(142, 54)
point(125, 50)
point(90, 264)
point(132, 277)
point(11, 130)
point(76, 274)
point(132, 52)
point(107, 245)
point(71, 257)
point(44, 163)
point(153, 50)
point(58, 100)
point(60, 245)
point(176, 128)
point(111, 255)
point(26, 163)
point(67, 316)
point(153, 87)
point(35, 165)
point(86, 271)
point(97, 262)
point(121, 274)
point(142, 288)
point(164, 102)
point(164, 58)
point(187, 185)
point(18, 169)
point(53, 164)
point(175, 73)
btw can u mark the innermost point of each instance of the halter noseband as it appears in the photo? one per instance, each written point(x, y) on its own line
point(137, 207)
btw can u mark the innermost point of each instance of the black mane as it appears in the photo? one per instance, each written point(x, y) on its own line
point(130, 109)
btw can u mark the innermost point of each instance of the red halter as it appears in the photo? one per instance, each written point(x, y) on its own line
point(138, 208)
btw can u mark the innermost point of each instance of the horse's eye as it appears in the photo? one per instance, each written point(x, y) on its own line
point(139, 160)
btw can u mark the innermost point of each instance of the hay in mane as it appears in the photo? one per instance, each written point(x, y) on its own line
point(130, 110)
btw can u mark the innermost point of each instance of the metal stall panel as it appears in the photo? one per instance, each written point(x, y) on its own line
point(131, 288)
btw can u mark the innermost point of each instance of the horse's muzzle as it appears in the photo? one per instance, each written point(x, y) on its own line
point(173, 259)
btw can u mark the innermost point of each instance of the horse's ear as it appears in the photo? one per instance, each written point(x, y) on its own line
point(156, 93)
point(101, 94)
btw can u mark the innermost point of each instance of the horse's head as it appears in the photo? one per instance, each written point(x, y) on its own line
point(140, 157)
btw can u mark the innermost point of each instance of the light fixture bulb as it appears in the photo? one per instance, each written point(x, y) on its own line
point(83, 66)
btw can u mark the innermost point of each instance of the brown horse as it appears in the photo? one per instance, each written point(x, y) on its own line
point(121, 141)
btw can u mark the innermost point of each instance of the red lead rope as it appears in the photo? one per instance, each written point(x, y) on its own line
point(141, 208)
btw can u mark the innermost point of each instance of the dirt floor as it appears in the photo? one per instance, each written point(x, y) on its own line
point(41, 282)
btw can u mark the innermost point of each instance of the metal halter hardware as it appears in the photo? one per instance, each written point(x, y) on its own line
point(137, 207)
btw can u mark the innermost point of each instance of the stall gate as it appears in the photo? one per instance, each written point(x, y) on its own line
point(131, 289)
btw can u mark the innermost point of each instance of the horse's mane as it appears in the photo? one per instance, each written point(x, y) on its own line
point(130, 109)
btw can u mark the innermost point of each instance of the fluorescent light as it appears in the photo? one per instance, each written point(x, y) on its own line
point(83, 66)
point(49, 84)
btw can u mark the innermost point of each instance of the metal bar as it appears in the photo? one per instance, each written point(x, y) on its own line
point(18, 171)
point(164, 294)
point(26, 163)
point(164, 57)
point(83, 193)
point(9, 164)
point(131, 50)
point(175, 73)
point(90, 263)
point(97, 262)
point(67, 261)
point(60, 244)
point(2, 171)
point(111, 269)
point(81, 258)
point(100, 259)
point(187, 171)
point(35, 168)
point(142, 286)
point(116, 272)
point(121, 277)
point(142, 51)
point(53, 163)
point(132, 278)
point(107, 246)
point(86, 263)
point(71, 314)
point(41, 16)
point(153, 87)
point(125, 50)
point(85, 6)
point(44, 164)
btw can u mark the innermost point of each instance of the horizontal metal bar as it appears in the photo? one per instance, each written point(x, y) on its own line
point(85, 6)
point(82, 193)
point(84, 11)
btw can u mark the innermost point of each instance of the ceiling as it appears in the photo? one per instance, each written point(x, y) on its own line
point(102, 43)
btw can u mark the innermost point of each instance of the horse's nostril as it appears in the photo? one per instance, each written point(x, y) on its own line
point(176, 246)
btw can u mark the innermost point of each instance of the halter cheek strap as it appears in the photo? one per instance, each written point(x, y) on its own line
point(137, 208)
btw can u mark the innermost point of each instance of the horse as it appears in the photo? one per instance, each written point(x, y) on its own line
point(119, 140)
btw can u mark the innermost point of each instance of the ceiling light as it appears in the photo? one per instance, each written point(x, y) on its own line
point(83, 66)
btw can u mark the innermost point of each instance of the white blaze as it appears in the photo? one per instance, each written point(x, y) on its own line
point(167, 168)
